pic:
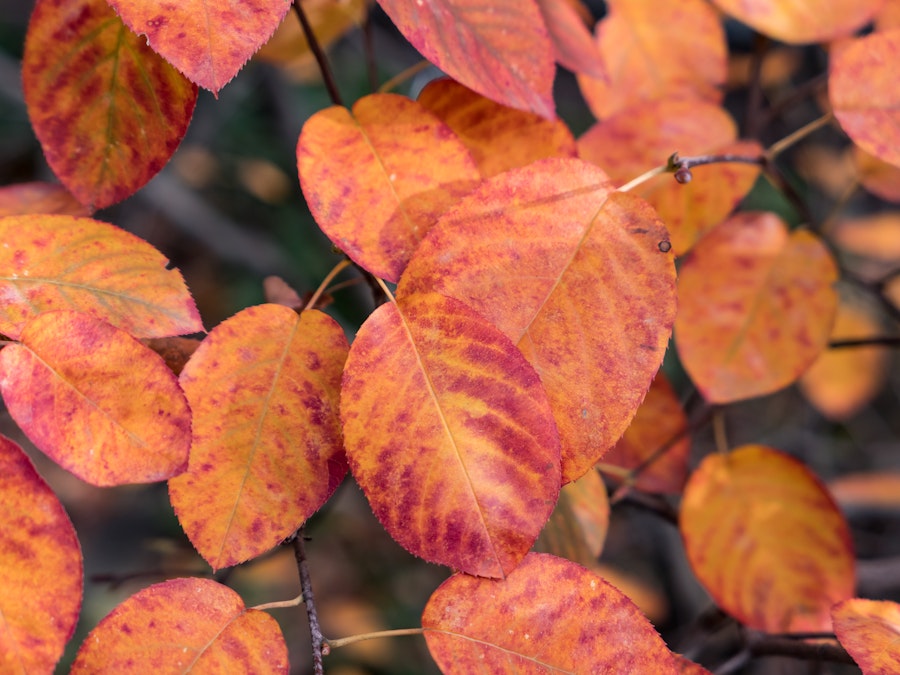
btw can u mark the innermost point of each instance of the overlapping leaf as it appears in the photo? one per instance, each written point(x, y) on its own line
point(52, 262)
point(548, 615)
point(267, 450)
point(63, 384)
point(577, 527)
point(23, 198)
point(870, 631)
point(499, 48)
point(756, 307)
point(652, 49)
point(41, 584)
point(184, 625)
point(862, 85)
point(575, 47)
point(577, 276)
point(878, 177)
point(377, 179)
point(450, 435)
point(767, 540)
point(108, 112)
point(207, 41)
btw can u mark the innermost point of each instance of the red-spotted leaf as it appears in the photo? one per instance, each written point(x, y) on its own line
point(180, 626)
point(449, 434)
point(263, 387)
point(870, 631)
point(498, 137)
point(548, 615)
point(575, 46)
point(756, 307)
point(499, 48)
point(378, 178)
point(862, 85)
point(52, 262)
point(767, 540)
point(207, 41)
point(578, 278)
point(96, 400)
point(41, 584)
point(108, 112)
point(24, 198)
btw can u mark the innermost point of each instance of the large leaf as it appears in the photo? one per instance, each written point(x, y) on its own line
point(870, 631)
point(450, 435)
point(266, 451)
point(576, 275)
point(96, 400)
point(108, 112)
point(767, 540)
point(499, 48)
point(41, 583)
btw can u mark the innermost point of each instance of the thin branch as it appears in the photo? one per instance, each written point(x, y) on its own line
point(279, 604)
point(792, 139)
point(369, 49)
point(343, 642)
point(316, 49)
point(881, 341)
point(319, 646)
point(403, 75)
point(719, 433)
point(337, 269)
point(768, 645)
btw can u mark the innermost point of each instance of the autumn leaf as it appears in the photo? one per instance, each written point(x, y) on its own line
point(577, 527)
point(876, 236)
point(876, 176)
point(870, 631)
point(25, 198)
point(867, 490)
point(573, 42)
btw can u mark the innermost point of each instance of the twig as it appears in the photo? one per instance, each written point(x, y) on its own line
point(316, 49)
point(769, 645)
point(369, 49)
point(403, 75)
point(792, 139)
point(319, 646)
point(719, 433)
point(280, 604)
point(337, 269)
point(882, 341)
point(343, 642)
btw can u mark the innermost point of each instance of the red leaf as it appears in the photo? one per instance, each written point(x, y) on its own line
point(574, 43)
point(870, 631)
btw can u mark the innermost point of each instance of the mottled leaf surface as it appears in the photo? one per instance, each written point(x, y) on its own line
point(870, 631)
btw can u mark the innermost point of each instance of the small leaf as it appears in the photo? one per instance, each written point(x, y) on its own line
point(577, 527)
point(24, 198)
point(548, 615)
point(41, 584)
point(52, 262)
point(876, 236)
point(108, 112)
point(266, 452)
point(767, 540)
point(63, 384)
point(574, 44)
point(184, 625)
point(449, 434)
point(870, 632)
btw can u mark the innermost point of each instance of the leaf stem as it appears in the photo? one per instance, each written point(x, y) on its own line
point(319, 646)
point(321, 60)
point(791, 139)
point(719, 434)
point(387, 291)
point(278, 604)
point(349, 640)
point(337, 269)
point(644, 177)
point(403, 75)
point(369, 49)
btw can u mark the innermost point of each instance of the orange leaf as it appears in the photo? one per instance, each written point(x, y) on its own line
point(889, 16)
point(652, 49)
point(207, 41)
point(688, 667)
point(549, 614)
point(52, 262)
point(575, 276)
point(802, 21)
point(870, 632)
point(449, 434)
point(499, 138)
point(184, 625)
point(24, 198)
point(755, 307)
point(577, 527)
point(872, 490)
point(767, 540)
point(377, 179)
point(879, 178)
point(63, 384)
point(41, 584)
point(267, 451)
point(499, 49)
point(862, 85)
point(643, 136)
point(330, 19)
point(108, 112)
point(574, 44)
point(876, 236)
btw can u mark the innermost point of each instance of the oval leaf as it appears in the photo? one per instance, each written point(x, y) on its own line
point(266, 453)
point(184, 625)
point(576, 276)
point(574, 44)
point(499, 49)
point(41, 584)
point(52, 262)
point(767, 540)
point(756, 307)
point(24, 198)
point(108, 112)
point(870, 631)
point(376, 180)
point(449, 434)
point(548, 615)
point(63, 384)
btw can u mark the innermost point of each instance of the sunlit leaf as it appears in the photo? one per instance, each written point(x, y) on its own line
point(267, 450)
point(378, 178)
point(875, 236)
point(63, 384)
point(576, 275)
point(24, 198)
point(108, 112)
point(450, 435)
point(498, 137)
point(870, 632)
point(52, 262)
point(499, 49)
point(575, 46)
point(755, 307)
point(41, 583)
point(874, 490)
point(879, 178)
point(548, 615)
point(862, 85)
point(207, 41)
point(767, 540)
point(577, 527)
point(652, 49)
point(184, 625)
